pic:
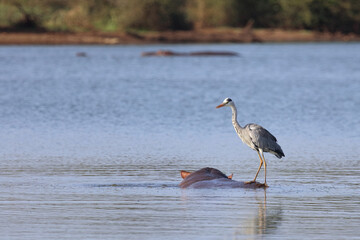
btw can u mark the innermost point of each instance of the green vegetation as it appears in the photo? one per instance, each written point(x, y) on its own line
point(159, 15)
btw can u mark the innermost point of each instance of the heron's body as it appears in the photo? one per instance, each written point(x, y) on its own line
point(255, 136)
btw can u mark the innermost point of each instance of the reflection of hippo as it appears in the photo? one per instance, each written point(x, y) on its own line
point(211, 177)
point(203, 53)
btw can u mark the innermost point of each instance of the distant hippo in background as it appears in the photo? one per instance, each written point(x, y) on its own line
point(165, 53)
point(213, 178)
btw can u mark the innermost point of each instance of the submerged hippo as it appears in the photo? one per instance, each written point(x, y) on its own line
point(202, 53)
point(213, 178)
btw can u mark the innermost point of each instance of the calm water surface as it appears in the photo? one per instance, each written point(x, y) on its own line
point(91, 147)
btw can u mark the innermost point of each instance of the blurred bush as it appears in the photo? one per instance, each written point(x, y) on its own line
point(158, 15)
point(335, 16)
point(152, 15)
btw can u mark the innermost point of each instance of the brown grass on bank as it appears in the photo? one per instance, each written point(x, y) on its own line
point(200, 36)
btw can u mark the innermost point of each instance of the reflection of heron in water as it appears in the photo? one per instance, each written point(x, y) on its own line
point(255, 136)
point(265, 221)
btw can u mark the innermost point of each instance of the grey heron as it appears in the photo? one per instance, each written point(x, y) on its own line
point(255, 136)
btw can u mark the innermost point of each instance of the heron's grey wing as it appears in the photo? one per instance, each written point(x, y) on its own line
point(261, 137)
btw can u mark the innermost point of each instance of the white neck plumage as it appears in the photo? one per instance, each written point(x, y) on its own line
point(235, 123)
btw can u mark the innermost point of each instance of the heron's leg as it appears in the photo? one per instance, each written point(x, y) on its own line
point(261, 163)
point(262, 153)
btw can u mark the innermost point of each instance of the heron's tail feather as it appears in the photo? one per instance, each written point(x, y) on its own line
point(278, 152)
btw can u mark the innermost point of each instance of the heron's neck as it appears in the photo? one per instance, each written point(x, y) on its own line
point(235, 123)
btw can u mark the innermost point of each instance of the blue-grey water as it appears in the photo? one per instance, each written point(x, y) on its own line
point(91, 147)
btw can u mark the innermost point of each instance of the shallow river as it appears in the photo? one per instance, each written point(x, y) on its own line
point(91, 147)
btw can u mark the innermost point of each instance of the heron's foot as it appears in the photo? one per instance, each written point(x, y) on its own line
point(257, 183)
point(250, 182)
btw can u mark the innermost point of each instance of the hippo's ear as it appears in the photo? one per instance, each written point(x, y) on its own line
point(184, 174)
point(230, 176)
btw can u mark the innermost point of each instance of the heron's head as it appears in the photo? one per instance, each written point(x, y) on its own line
point(227, 102)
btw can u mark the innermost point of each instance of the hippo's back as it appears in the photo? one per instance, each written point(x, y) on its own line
point(213, 178)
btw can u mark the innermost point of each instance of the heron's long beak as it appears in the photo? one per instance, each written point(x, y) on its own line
point(221, 105)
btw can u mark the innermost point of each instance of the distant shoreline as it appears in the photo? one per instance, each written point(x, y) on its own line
point(200, 36)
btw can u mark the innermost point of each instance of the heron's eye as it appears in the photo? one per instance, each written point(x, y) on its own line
point(229, 100)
